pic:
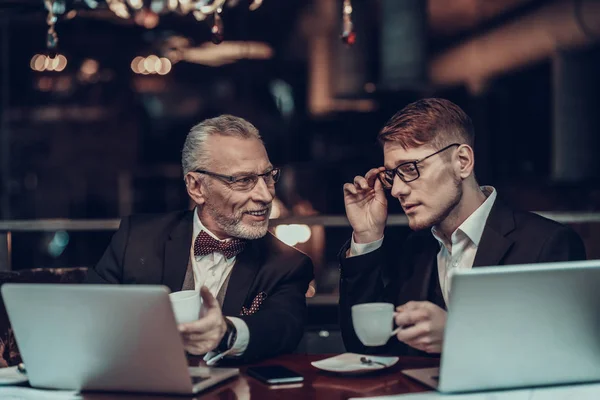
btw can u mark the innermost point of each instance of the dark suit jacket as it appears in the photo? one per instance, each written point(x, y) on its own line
point(509, 237)
point(155, 250)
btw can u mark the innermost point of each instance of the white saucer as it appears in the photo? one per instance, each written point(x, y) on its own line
point(349, 363)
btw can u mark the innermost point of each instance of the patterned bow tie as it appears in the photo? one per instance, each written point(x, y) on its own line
point(206, 244)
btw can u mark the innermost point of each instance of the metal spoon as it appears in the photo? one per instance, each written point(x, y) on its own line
point(368, 361)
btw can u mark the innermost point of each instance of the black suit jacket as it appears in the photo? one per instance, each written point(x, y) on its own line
point(509, 237)
point(155, 250)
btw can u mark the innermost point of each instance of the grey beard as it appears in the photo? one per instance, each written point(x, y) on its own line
point(234, 227)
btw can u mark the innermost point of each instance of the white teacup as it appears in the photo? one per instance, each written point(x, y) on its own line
point(186, 305)
point(374, 323)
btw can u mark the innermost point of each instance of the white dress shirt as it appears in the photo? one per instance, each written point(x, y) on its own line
point(211, 271)
point(458, 252)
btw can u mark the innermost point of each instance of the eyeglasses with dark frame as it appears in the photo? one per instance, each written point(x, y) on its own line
point(245, 182)
point(407, 171)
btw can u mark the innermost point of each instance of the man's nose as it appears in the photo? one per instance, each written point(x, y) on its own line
point(400, 188)
point(263, 192)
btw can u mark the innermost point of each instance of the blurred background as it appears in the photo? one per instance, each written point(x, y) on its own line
point(97, 96)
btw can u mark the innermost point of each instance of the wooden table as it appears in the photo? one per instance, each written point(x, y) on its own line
point(317, 384)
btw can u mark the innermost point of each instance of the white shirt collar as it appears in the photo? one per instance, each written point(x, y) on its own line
point(473, 226)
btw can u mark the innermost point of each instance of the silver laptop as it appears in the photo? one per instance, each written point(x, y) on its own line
point(103, 338)
point(520, 326)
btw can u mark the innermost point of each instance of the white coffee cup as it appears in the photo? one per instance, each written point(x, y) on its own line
point(186, 305)
point(374, 323)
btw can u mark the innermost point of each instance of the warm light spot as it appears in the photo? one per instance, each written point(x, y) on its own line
point(118, 8)
point(62, 63)
point(89, 67)
point(140, 65)
point(137, 4)
point(165, 66)
point(151, 63)
point(37, 62)
point(146, 18)
point(52, 63)
point(135, 64)
point(275, 211)
point(293, 234)
point(255, 4)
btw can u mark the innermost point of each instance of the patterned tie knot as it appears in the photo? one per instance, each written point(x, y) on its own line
point(206, 244)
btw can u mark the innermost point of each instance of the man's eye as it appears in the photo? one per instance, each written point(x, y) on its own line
point(245, 180)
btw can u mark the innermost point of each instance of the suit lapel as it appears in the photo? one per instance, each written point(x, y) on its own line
point(177, 253)
point(246, 266)
point(494, 244)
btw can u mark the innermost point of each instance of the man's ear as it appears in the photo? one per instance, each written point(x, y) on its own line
point(195, 188)
point(465, 161)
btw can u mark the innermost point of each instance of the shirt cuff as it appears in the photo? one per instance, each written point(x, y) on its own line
point(358, 249)
point(243, 336)
point(239, 346)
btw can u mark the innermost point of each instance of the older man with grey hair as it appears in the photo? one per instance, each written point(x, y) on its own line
point(252, 285)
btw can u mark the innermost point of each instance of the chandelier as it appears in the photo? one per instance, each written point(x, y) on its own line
point(147, 12)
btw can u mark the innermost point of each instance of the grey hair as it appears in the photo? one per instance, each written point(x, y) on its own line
point(195, 155)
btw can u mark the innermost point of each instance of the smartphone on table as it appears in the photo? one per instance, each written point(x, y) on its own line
point(274, 374)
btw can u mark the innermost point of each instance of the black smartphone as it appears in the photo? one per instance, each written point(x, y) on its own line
point(274, 374)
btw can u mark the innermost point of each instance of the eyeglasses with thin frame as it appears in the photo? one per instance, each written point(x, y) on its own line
point(245, 182)
point(407, 171)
